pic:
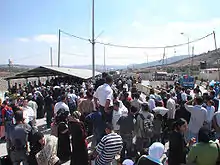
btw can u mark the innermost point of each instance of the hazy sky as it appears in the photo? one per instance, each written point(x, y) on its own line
point(29, 27)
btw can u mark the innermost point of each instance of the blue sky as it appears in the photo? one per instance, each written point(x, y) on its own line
point(29, 28)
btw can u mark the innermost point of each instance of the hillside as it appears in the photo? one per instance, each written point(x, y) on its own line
point(211, 58)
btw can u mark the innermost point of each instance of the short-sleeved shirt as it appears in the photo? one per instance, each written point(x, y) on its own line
point(198, 117)
point(108, 148)
point(103, 93)
point(126, 124)
point(203, 153)
point(18, 134)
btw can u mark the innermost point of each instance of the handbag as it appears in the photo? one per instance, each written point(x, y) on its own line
point(218, 159)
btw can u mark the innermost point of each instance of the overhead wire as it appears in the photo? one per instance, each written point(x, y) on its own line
point(138, 47)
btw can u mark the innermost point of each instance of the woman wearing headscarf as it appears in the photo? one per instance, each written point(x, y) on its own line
point(155, 153)
point(48, 153)
point(177, 144)
point(37, 144)
point(64, 149)
point(205, 152)
point(79, 154)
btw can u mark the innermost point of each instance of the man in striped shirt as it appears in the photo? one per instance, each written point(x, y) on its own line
point(110, 145)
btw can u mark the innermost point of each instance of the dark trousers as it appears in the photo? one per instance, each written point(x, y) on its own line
point(126, 151)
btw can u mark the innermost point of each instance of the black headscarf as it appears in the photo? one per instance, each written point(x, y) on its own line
point(37, 136)
point(204, 135)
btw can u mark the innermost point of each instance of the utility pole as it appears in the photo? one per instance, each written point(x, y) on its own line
point(164, 54)
point(218, 60)
point(9, 68)
point(93, 39)
point(51, 56)
point(192, 60)
point(104, 60)
point(59, 48)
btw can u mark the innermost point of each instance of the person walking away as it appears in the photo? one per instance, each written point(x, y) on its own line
point(7, 116)
point(215, 99)
point(109, 146)
point(18, 142)
point(144, 128)
point(216, 124)
point(38, 142)
point(96, 118)
point(103, 99)
point(136, 101)
point(61, 105)
point(40, 104)
point(119, 110)
point(156, 151)
point(171, 106)
point(48, 106)
point(33, 105)
point(29, 115)
point(126, 124)
point(64, 150)
point(205, 151)
point(178, 147)
point(198, 117)
point(151, 102)
point(210, 113)
point(48, 154)
point(79, 155)
point(72, 101)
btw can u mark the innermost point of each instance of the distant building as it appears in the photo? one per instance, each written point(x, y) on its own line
point(210, 74)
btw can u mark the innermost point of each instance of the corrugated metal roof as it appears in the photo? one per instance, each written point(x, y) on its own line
point(44, 71)
point(81, 73)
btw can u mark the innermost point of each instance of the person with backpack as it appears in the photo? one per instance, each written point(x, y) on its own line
point(18, 140)
point(7, 119)
point(144, 128)
point(127, 124)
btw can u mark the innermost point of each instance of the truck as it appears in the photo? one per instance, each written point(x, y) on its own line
point(187, 81)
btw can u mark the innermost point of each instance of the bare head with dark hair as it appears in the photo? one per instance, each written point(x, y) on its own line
point(199, 100)
point(108, 128)
point(109, 80)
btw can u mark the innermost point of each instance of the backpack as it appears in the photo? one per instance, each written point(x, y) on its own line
point(148, 126)
point(9, 115)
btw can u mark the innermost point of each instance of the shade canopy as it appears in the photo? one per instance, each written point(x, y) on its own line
point(44, 71)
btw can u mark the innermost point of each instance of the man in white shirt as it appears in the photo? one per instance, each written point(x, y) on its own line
point(61, 105)
point(103, 98)
point(198, 117)
point(28, 114)
point(33, 105)
point(119, 110)
point(171, 105)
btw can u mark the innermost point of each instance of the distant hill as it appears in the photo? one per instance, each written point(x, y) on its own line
point(169, 60)
point(211, 57)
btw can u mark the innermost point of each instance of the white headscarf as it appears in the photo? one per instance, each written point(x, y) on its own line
point(128, 162)
point(156, 150)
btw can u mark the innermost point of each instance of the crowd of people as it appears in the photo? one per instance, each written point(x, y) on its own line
point(124, 124)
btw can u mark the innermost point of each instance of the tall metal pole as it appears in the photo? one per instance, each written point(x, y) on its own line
point(104, 60)
point(215, 40)
point(93, 39)
point(189, 56)
point(51, 56)
point(218, 60)
point(192, 61)
point(59, 48)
